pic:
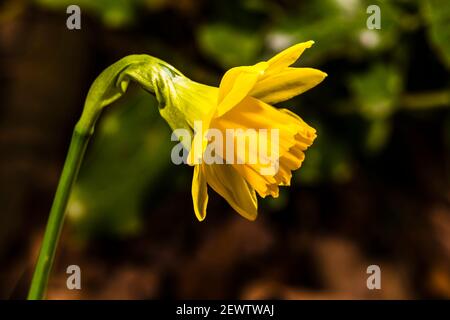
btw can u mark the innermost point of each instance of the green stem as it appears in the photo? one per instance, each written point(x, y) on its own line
point(109, 86)
point(78, 144)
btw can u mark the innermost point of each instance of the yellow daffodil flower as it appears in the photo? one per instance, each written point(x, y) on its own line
point(243, 101)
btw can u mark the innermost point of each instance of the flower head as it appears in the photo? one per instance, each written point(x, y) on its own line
point(242, 103)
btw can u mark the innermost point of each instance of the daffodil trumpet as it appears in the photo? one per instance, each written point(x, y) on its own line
point(262, 145)
point(234, 146)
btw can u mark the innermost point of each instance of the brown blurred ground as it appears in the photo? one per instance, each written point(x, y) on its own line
point(394, 211)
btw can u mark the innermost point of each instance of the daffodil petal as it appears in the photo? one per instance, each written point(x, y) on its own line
point(286, 84)
point(199, 192)
point(287, 57)
point(227, 82)
point(227, 182)
point(198, 147)
point(236, 84)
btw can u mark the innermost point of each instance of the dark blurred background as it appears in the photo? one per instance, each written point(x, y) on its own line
point(374, 188)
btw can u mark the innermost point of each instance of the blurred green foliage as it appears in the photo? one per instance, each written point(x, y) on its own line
point(437, 15)
point(229, 45)
point(128, 155)
point(373, 76)
point(113, 13)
